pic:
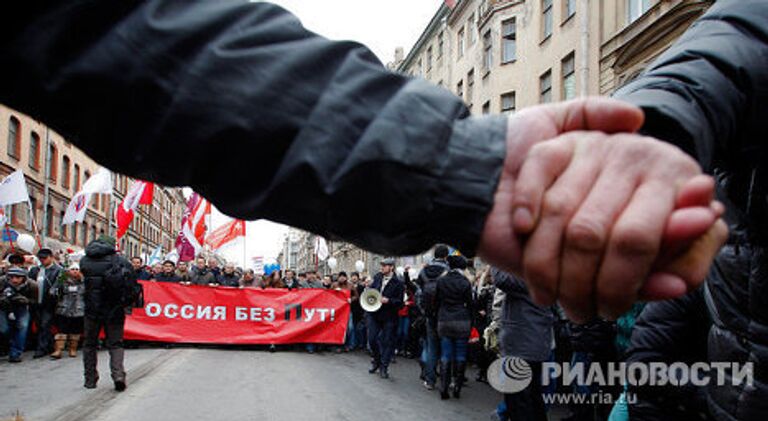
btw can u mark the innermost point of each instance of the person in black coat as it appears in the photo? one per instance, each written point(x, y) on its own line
point(673, 331)
point(139, 270)
point(383, 322)
point(708, 94)
point(168, 274)
point(103, 310)
point(47, 276)
point(454, 324)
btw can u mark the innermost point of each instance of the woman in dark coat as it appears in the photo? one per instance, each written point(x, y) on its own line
point(454, 324)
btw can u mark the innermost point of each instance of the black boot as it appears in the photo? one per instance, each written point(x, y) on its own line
point(384, 373)
point(445, 379)
point(375, 365)
point(458, 381)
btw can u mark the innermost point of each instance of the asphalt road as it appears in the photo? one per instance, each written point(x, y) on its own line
point(226, 384)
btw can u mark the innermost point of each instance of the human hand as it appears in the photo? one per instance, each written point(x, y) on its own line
point(499, 242)
point(606, 229)
point(384, 300)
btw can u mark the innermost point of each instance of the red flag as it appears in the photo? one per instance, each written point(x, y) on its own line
point(147, 194)
point(135, 196)
point(226, 233)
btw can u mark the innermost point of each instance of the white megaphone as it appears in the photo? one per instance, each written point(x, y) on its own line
point(370, 300)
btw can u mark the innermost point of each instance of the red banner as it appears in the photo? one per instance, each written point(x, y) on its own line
point(224, 315)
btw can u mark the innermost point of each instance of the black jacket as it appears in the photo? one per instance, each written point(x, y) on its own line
point(232, 280)
point(709, 94)
point(427, 299)
point(454, 305)
point(395, 292)
point(52, 274)
point(163, 277)
point(134, 82)
point(94, 265)
point(669, 332)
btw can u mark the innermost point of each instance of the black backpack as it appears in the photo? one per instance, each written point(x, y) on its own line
point(120, 285)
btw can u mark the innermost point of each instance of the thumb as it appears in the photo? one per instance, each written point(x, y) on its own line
point(597, 113)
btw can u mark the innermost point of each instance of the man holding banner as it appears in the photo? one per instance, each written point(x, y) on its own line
point(382, 322)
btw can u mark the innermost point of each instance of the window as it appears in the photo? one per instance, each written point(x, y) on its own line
point(487, 107)
point(460, 89)
point(53, 163)
point(545, 84)
point(636, 8)
point(93, 232)
point(76, 182)
point(470, 86)
point(14, 137)
point(421, 67)
point(84, 234)
point(460, 43)
point(440, 45)
point(34, 151)
point(569, 9)
point(65, 172)
point(487, 51)
point(429, 58)
point(546, 14)
point(49, 217)
point(472, 29)
point(508, 102)
point(63, 227)
point(508, 41)
point(569, 77)
point(86, 176)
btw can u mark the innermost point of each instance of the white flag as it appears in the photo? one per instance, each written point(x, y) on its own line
point(77, 208)
point(13, 189)
point(101, 182)
point(321, 248)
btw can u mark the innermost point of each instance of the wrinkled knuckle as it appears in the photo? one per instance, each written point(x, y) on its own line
point(585, 234)
point(635, 241)
point(557, 204)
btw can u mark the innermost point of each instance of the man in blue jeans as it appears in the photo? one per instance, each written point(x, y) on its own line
point(382, 323)
point(426, 301)
point(18, 292)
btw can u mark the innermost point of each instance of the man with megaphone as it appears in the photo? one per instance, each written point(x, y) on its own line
point(382, 319)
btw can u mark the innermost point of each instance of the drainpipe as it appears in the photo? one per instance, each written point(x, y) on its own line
point(584, 48)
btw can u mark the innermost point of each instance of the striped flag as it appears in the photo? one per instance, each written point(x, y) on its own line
point(193, 227)
point(140, 193)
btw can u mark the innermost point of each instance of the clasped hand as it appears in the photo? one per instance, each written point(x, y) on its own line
point(596, 217)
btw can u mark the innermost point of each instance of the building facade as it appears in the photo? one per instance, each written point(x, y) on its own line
point(502, 55)
point(55, 170)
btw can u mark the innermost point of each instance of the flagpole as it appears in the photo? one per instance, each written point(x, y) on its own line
point(34, 224)
point(46, 193)
point(244, 244)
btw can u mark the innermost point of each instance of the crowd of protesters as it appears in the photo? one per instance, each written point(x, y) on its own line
point(446, 315)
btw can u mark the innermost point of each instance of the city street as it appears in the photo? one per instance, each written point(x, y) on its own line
point(226, 384)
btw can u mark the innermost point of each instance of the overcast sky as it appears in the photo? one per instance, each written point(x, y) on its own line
point(382, 25)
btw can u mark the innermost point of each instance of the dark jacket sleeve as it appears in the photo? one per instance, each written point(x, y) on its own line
point(238, 101)
point(708, 92)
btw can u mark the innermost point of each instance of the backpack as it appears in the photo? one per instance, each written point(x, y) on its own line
point(120, 285)
point(428, 296)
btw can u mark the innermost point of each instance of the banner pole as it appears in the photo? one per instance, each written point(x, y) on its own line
point(34, 223)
